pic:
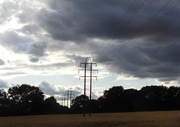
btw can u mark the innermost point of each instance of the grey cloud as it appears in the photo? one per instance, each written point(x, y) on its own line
point(25, 12)
point(38, 49)
point(13, 73)
point(30, 29)
point(159, 62)
point(47, 67)
point(22, 44)
point(77, 59)
point(79, 20)
point(94, 96)
point(7, 9)
point(2, 62)
point(52, 90)
point(33, 59)
point(15, 42)
point(3, 84)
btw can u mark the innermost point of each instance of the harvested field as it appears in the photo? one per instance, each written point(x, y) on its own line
point(137, 119)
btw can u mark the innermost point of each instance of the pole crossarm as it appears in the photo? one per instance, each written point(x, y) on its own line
point(87, 63)
point(88, 76)
point(89, 70)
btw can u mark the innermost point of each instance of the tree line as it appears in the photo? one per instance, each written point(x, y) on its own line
point(30, 100)
point(118, 99)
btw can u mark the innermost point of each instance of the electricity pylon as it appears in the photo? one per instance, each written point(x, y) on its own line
point(69, 96)
point(88, 66)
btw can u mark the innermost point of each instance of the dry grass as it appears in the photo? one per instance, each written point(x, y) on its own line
point(138, 119)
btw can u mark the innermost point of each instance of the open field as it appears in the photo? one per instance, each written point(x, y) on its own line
point(137, 119)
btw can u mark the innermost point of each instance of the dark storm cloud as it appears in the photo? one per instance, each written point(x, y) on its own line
point(79, 20)
point(161, 62)
point(144, 35)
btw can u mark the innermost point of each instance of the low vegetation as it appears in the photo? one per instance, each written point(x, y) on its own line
point(135, 119)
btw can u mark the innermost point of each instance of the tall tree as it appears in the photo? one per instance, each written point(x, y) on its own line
point(152, 97)
point(51, 105)
point(171, 99)
point(79, 102)
point(4, 103)
point(113, 99)
point(27, 99)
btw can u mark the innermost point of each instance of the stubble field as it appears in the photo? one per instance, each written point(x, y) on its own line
point(137, 119)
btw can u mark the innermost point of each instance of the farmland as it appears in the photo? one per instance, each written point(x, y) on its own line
point(136, 119)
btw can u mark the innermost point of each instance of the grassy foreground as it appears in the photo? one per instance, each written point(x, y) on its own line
point(137, 119)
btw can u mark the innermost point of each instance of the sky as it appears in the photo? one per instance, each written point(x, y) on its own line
point(134, 43)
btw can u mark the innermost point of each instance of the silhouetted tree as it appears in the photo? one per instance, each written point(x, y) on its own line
point(79, 102)
point(152, 97)
point(130, 96)
point(52, 107)
point(26, 99)
point(171, 98)
point(114, 99)
point(4, 103)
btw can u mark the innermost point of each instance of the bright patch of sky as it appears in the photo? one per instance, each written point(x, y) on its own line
point(11, 24)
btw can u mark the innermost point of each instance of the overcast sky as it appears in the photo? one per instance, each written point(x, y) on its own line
point(134, 43)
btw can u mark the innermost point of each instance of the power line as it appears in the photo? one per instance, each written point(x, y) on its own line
point(176, 27)
point(147, 23)
point(109, 43)
point(122, 24)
